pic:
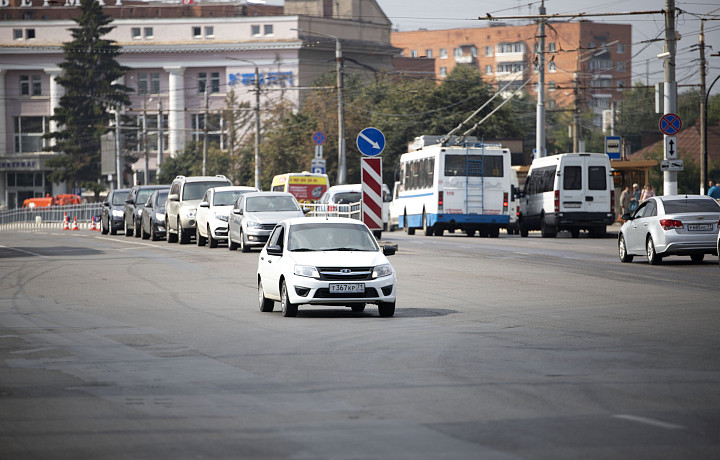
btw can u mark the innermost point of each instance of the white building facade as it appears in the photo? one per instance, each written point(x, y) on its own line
point(173, 61)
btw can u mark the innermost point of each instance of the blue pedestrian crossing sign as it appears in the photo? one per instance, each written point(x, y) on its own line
point(370, 142)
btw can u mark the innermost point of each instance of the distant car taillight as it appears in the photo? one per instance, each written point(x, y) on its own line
point(505, 200)
point(440, 202)
point(557, 200)
point(670, 224)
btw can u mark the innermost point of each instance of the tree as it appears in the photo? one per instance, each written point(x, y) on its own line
point(637, 115)
point(83, 113)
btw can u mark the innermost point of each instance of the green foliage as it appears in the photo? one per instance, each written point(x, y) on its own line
point(83, 113)
point(189, 163)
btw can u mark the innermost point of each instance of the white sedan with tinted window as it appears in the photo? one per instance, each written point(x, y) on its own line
point(319, 261)
point(672, 225)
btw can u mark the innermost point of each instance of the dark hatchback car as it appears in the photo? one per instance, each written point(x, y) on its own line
point(133, 206)
point(152, 220)
point(113, 208)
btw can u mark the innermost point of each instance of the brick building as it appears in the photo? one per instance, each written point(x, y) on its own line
point(587, 63)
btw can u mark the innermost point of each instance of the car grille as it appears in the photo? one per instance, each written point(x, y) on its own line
point(345, 274)
point(324, 293)
point(268, 226)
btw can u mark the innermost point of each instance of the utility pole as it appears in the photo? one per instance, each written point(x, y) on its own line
point(342, 166)
point(670, 96)
point(257, 128)
point(160, 137)
point(118, 169)
point(540, 129)
point(576, 115)
point(205, 133)
point(703, 112)
point(145, 143)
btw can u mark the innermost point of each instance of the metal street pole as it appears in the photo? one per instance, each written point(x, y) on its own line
point(205, 133)
point(540, 128)
point(670, 96)
point(145, 143)
point(160, 137)
point(342, 163)
point(118, 171)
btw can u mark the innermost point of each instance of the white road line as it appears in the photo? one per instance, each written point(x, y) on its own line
point(650, 421)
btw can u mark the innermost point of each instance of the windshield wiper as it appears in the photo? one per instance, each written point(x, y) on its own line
point(304, 250)
point(346, 249)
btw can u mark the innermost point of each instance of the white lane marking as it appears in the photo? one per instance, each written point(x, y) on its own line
point(650, 421)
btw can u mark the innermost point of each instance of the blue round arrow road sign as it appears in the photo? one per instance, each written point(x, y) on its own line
point(370, 142)
point(670, 124)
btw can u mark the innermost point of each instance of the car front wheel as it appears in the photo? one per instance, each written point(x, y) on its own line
point(201, 240)
point(288, 309)
point(243, 245)
point(652, 255)
point(622, 250)
point(386, 309)
point(212, 242)
point(264, 304)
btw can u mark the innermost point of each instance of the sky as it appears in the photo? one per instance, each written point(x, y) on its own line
point(435, 14)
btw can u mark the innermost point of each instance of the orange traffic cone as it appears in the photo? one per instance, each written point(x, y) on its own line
point(75, 225)
point(92, 224)
point(98, 225)
point(66, 224)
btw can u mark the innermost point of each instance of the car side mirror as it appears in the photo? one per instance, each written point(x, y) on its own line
point(204, 204)
point(238, 212)
point(130, 201)
point(274, 250)
point(106, 203)
point(627, 216)
point(389, 250)
point(173, 197)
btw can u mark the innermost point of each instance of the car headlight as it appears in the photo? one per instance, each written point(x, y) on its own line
point(139, 212)
point(117, 213)
point(254, 224)
point(221, 217)
point(306, 270)
point(160, 216)
point(382, 270)
point(190, 213)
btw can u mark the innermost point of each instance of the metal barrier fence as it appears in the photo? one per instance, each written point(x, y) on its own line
point(352, 210)
point(51, 214)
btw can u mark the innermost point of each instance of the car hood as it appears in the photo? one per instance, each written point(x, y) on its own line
point(272, 217)
point(191, 203)
point(339, 258)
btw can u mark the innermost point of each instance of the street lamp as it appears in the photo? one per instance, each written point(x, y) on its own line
point(257, 119)
point(342, 166)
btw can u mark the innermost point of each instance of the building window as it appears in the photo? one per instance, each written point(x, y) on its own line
point(510, 67)
point(428, 54)
point(443, 72)
point(17, 34)
point(473, 51)
point(488, 51)
point(255, 30)
point(620, 48)
point(148, 32)
point(197, 32)
point(30, 85)
point(214, 126)
point(443, 53)
point(552, 67)
point(601, 82)
point(457, 52)
point(551, 47)
point(551, 86)
point(509, 48)
point(268, 29)
point(488, 70)
point(413, 53)
point(29, 134)
point(214, 82)
point(620, 67)
point(29, 34)
point(142, 83)
point(621, 84)
point(136, 33)
point(209, 31)
point(601, 64)
point(155, 83)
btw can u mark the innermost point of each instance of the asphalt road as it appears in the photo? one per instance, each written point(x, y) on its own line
point(509, 348)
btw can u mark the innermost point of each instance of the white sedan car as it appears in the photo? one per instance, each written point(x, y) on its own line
point(325, 261)
point(681, 225)
point(213, 211)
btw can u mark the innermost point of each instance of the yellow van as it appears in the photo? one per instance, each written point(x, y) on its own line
point(305, 187)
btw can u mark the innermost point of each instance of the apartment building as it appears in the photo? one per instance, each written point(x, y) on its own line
point(588, 64)
point(176, 53)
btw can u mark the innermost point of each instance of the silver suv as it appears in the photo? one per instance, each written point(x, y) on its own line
point(183, 200)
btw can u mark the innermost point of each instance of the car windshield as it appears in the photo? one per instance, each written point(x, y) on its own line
point(347, 197)
point(162, 197)
point(227, 198)
point(271, 204)
point(331, 237)
point(143, 196)
point(119, 198)
point(196, 190)
point(690, 205)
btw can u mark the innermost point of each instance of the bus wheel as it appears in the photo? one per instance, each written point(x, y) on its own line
point(427, 229)
point(470, 232)
point(408, 229)
point(438, 230)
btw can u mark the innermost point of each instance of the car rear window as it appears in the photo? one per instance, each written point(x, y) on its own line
point(347, 198)
point(572, 178)
point(690, 205)
point(597, 178)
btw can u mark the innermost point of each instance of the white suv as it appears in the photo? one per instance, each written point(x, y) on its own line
point(181, 208)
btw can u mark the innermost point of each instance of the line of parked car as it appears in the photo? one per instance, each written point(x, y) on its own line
point(319, 261)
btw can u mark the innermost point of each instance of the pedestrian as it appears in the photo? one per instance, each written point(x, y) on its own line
point(635, 200)
point(714, 190)
point(625, 201)
point(647, 193)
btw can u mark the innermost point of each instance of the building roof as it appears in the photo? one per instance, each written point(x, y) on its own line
point(688, 144)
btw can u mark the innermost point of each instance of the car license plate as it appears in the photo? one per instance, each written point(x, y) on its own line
point(571, 204)
point(700, 227)
point(345, 288)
